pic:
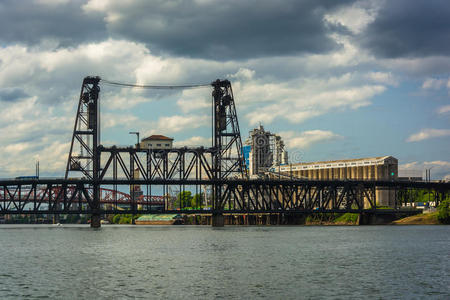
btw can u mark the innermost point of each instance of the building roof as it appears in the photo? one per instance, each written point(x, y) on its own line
point(380, 158)
point(157, 137)
point(342, 163)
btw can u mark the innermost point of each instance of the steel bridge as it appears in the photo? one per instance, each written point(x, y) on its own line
point(98, 178)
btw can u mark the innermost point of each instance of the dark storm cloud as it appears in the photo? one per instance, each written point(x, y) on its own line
point(12, 94)
point(406, 28)
point(29, 22)
point(228, 29)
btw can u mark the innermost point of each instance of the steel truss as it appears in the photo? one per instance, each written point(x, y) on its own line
point(302, 196)
point(149, 164)
point(239, 196)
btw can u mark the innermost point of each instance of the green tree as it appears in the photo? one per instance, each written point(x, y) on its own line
point(198, 200)
point(444, 212)
point(72, 219)
point(184, 199)
point(116, 219)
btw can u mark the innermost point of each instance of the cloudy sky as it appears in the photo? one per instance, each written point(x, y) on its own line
point(337, 79)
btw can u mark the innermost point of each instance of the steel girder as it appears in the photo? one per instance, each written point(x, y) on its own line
point(148, 164)
point(76, 196)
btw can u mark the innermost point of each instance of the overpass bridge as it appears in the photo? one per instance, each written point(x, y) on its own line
point(97, 177)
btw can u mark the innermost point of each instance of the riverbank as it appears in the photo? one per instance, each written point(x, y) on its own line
point(421, 219)
point(316, 219)
point(325, 219)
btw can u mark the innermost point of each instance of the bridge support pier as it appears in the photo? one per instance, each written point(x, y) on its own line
point(217, 220)
point(95, 221)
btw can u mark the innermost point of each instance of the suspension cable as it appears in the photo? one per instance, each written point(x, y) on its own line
point(159, 87)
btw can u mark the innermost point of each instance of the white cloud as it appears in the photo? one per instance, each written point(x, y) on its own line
point(444, 109)
point(243, 74)
point(311, 98)
point(383, 77)
point(438, 163)
point(356, 17)
point(109, 120)
point(409, 166)
point(51, 72)
point(96, 6)
point(305, 139)
point(19, 158)
point(418, 67)
point(428, 133)
point(432, 83)
point(439, 169)
point(350, 55)
point(127, 98)
point(52, 2)
point(158, 71)
point(177, 123)
point(194, 141)
point(195, 100)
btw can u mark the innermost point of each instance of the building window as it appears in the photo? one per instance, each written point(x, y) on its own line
point(167, 145)
point(150, 145)
point(159, 145)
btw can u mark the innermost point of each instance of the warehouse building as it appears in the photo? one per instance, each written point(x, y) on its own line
point(372, 168)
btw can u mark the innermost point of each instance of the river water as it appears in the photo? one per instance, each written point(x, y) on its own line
point(176, 262)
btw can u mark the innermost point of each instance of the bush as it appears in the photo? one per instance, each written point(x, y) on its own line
point(116, 219)
point(347, 218)
point(444, 212)
point(124, 219)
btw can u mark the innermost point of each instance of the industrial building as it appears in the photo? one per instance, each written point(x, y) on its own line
point(372, 168)
point(263, 150)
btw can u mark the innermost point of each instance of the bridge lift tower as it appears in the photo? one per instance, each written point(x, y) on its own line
point(227, 160)
point(86, 135)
